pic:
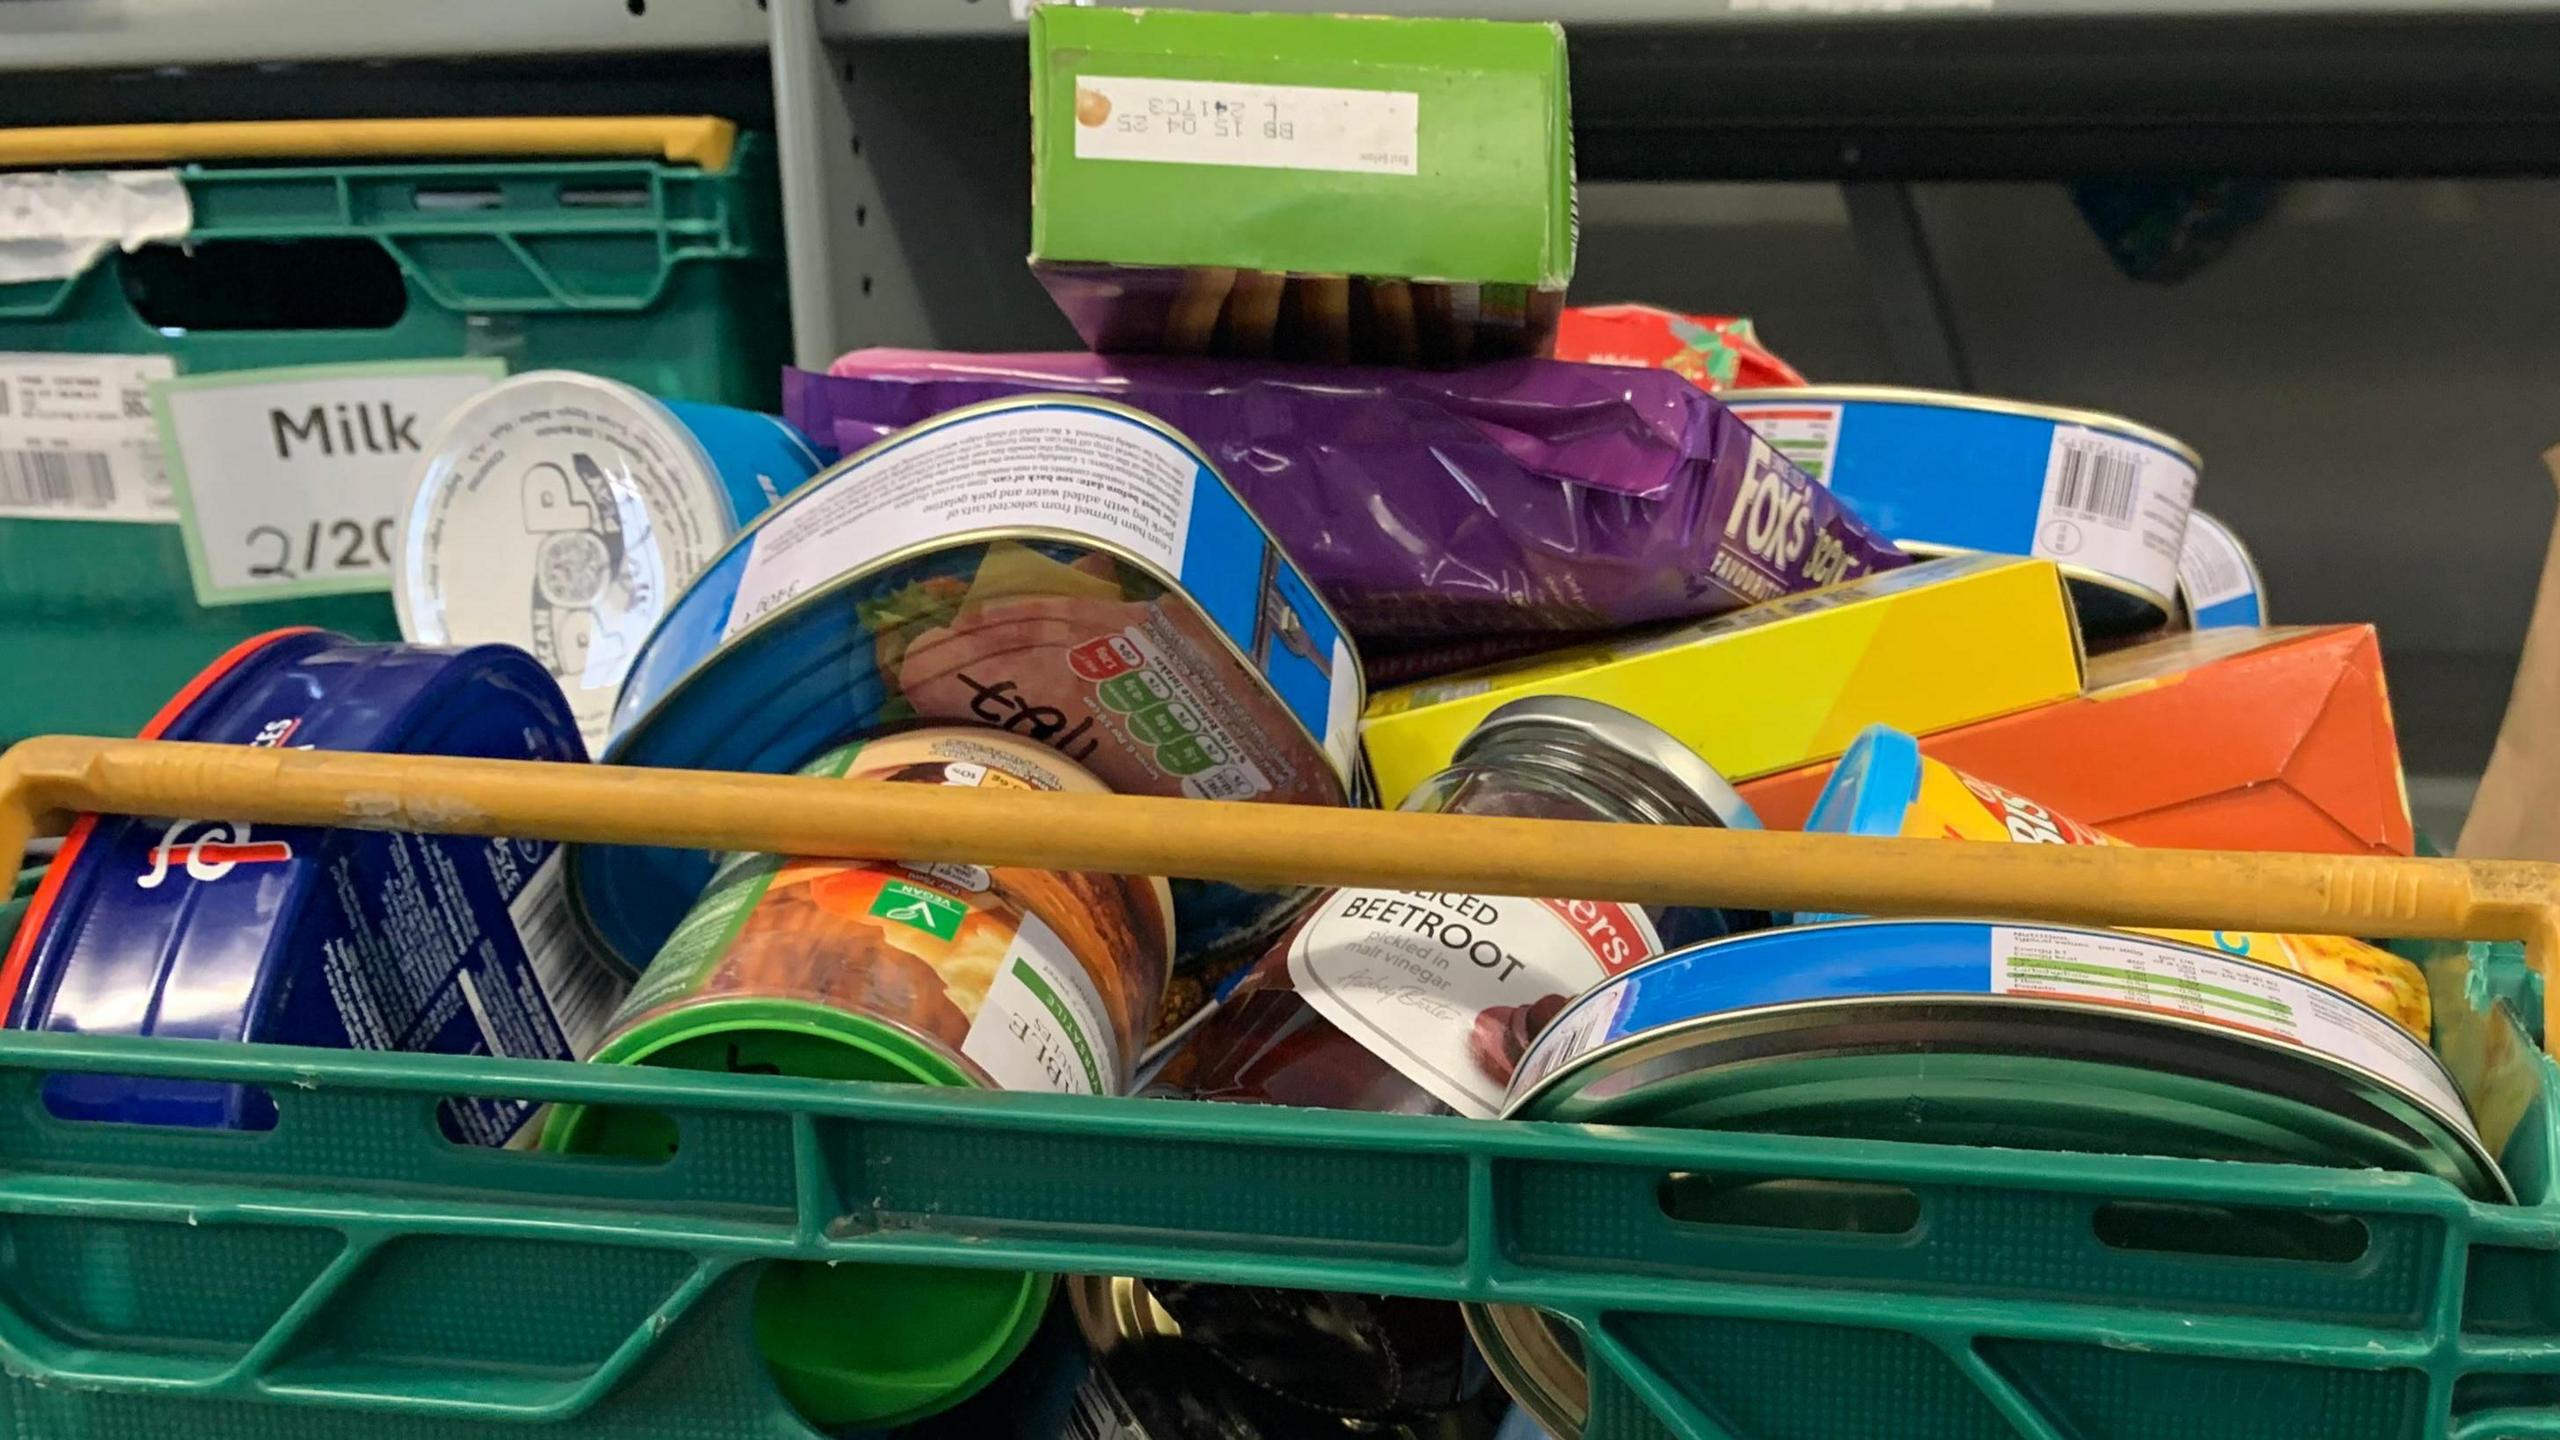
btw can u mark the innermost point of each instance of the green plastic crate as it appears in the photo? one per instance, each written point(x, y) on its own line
point(352, 1275)
point(664, 276)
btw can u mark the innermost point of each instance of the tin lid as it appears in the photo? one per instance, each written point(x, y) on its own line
point(559, 513)
point(1630, 735)
point(850, 1346)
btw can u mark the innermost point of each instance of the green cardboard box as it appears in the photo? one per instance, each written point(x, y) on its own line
point(1325, 187)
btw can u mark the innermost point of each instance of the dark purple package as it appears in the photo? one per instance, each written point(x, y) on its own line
point(1525, 495)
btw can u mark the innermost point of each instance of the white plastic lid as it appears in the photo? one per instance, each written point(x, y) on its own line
point(558, 512)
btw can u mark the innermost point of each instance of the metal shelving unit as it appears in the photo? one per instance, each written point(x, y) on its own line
point(1795, 89)
point(903, 128)
point(912, 109)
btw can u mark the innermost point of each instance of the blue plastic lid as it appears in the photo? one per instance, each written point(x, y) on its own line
point(1872, 788)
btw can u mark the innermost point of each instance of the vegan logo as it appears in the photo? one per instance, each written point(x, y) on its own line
point(921, 909)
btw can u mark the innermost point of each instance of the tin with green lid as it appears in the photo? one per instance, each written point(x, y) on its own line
point(930, 974)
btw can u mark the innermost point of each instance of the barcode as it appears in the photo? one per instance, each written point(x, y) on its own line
point(1096, 1416)
point(137, 405)
point(57, 479)
point(581, 988)
point(2097, 480)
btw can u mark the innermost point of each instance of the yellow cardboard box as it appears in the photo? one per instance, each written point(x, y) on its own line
point(1788, 682)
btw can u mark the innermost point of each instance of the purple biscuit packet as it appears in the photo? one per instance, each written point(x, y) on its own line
point(1524, 495)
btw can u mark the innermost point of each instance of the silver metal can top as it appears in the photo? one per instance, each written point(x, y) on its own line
point(1588, 723)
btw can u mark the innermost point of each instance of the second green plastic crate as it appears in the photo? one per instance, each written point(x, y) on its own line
point(664, 276)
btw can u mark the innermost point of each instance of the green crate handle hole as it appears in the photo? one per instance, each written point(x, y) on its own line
point(2181, 1227)
point(258, 1107)
point(315, 283)
point(1800, 1203)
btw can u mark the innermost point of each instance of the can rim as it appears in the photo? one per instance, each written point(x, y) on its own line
point(1958, 400)
point(1628, 733)
point(1112, 1310)
point(1520, 1346)
point(924, 1059)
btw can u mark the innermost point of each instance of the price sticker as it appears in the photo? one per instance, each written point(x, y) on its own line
point(291, 482)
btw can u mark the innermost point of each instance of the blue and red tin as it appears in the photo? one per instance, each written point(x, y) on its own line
point(218, 929)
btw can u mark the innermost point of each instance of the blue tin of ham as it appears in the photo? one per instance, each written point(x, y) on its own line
point(1068, 570)
point(218, 929)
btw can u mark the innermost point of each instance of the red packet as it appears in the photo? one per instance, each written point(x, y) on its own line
point(1714, 352)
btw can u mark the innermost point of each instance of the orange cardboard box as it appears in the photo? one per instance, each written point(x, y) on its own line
point(2221, 739)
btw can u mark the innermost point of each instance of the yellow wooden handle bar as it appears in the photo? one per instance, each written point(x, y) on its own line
point(681, 139)
point(57, 776)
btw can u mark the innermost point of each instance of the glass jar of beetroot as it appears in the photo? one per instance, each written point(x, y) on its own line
point(1423, 1003)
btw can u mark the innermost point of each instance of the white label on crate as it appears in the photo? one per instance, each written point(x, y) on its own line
point(2115, 506)
point(290, 482)
point(1086, 471)
point(1264, 127)
point(2147, 975)
point(2212, 566)
point(1451, 989)
point(1809, 435)
point(55, 224)
point(1042, 1025)
point(77, 441)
